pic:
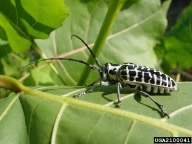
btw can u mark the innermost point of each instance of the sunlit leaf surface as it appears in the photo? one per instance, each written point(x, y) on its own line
point(31, 119)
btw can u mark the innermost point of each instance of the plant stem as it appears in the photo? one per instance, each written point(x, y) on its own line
point(114, 8)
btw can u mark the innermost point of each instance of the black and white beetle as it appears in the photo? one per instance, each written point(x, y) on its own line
point(144, 79)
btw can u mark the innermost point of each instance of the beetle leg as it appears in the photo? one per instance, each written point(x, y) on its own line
point(95, 85)
point(85, 92)
point(119, 87)
point(163, 111)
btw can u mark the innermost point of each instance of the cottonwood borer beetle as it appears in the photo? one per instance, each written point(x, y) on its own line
point(144, 79)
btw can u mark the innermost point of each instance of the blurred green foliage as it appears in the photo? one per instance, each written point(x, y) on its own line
point(135, 32)
point(175, 48)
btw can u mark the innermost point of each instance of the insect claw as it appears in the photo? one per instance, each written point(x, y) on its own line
point(163, 111)
point(118, 105)
point(165, 115)
point(80, 94)
point(76, 95)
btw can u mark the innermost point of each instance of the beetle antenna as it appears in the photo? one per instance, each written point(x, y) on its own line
point(68, 59)
point(96, 60)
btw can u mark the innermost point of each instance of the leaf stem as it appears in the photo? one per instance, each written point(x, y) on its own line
point(114, 8)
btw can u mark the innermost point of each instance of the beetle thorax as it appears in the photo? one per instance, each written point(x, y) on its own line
point(110, 72)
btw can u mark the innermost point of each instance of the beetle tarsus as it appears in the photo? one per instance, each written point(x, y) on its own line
point(118, 105)
point(163, 111)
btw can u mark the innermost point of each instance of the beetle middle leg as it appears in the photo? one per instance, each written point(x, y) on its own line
point(163, 111)
point(119, 87)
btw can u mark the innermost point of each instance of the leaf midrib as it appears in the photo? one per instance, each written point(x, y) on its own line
point(117, 112)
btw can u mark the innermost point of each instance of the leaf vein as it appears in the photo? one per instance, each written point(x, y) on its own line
point(56, 124)
point(94, 128)
point(129, 131)
point(8, 107)
point(133, 26)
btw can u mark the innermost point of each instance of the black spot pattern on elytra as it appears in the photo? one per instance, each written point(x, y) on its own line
point(158, 80)
point(139, 68)
point(155, 72)
point(152, 80)
point(131, 78)
point(138, 79)
point(164, 77)
point(146, 75)
point(151, 70)
point(139, 74)
point(164, 83)
point(123, 72)
point(145, 69)
point(169, 82)
point(130, 67)
point(173, 83)
point(132, 73)
point(124, 77)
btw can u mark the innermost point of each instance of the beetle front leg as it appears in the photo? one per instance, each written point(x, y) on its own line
point(95, 85)
point(85, 92)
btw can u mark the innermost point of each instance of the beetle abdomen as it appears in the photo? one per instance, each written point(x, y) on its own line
point(149, 88)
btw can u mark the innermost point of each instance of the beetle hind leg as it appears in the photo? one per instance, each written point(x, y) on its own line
point(163, 111)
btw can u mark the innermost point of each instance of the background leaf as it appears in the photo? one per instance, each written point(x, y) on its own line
point(25, 20)
point(12, 121)
point(20, 23)
point(131, 38)
point(177, 43)
point(58, 119)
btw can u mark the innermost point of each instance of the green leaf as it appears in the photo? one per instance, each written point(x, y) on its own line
point(12, 121)
point(178, 42)
point(57, 117)
point(43, 75)
point(132, 37)
point(26, 20)
point(4, 45)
